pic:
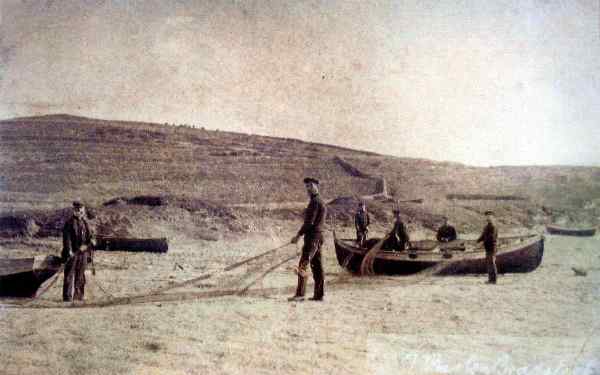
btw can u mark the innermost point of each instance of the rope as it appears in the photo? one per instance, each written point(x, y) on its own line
point(582, 349)
point(49, 283)
point(209, 275)
point(99, 285)
point(248, 260)
point(264, 274)
point(366, 267)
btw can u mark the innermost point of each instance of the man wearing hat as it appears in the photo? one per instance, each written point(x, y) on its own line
point(446, 232)
point(361, 222)
point(312, 230)
point(489, 236)
point(77, 237)
point(398, 239)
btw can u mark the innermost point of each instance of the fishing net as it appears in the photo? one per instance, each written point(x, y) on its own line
point(240, 279)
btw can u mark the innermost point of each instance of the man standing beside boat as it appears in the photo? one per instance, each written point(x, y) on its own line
point(77, 238)
point(361, 222)
point(312, 230)
point(489, 237)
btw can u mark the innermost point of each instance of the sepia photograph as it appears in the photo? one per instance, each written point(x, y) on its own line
point(300, 187)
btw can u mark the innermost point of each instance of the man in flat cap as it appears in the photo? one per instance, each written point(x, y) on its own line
point(312, 230)
point(361, 223)
point(446, 232)
point(398, 239)
point(489, 237)
point(77, 237)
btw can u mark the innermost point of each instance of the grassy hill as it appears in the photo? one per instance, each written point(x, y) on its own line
point(58, 157)
point(47, 161)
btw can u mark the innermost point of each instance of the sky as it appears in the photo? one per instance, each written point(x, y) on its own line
point(503, 82)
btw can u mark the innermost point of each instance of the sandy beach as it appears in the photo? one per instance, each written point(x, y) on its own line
point(543, 322)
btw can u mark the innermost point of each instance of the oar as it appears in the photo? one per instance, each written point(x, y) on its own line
point(223, 270)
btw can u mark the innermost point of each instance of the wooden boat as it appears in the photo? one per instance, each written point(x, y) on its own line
point(22, 277)
point(581, 232)
point(152, 245)
point(515, 254)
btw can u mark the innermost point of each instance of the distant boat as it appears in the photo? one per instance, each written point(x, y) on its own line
point(515, 254)
point(152, 245)
point(22, 277)
point(581, 232)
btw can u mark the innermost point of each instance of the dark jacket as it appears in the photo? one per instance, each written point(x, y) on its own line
point(446, 233)
point(314, 217)
point(362, 221)
point(76, 233)
point(489, 236)
point(399, 234)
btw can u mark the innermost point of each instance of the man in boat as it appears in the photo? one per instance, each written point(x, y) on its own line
point(489, 237)
point(361, 222)
point(312, 230)
point(398, 239)
point(446, 232)
point(77, 239)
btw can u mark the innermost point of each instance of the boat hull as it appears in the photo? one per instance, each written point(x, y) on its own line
point(524, 257)
point(23, 277)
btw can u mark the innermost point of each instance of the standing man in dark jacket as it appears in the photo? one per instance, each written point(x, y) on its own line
point(361, 222)
point(489, 236)
point(446, 233)
point(77, 237)
point(398, 239)
point(312, 230)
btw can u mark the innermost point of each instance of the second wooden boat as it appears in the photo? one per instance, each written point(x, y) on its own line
point(580, 232)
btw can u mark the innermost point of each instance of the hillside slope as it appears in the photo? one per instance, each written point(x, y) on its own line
point(54, 158)
point(47, 161)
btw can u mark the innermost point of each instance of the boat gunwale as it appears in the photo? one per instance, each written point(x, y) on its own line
point(37, 263)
